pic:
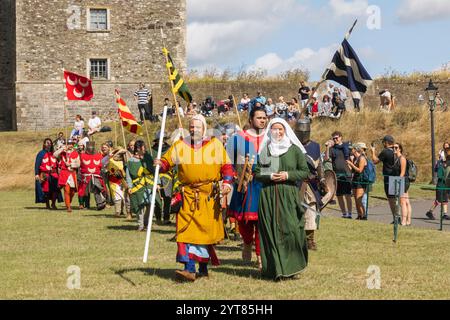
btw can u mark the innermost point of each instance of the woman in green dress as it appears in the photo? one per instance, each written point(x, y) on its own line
point(281, 168)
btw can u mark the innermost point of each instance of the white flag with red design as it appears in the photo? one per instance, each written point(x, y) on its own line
point(78, 87)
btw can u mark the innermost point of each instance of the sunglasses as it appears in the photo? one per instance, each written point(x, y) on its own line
point(336, 138)
point(396, 148)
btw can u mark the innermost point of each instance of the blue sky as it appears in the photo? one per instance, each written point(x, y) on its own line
point(276, 35)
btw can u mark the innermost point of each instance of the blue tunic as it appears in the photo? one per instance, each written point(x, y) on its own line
point(244, 206)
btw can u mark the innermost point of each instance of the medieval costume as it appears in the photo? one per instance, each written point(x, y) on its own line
point(202, 162)
point(69, 162)
point(140, 175)
point(115, 171)
point(311, 188)
point(244, 202)
point(46, 172)
point(91, 179)
point(281, 166)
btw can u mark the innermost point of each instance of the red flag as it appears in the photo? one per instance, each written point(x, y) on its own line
point(78, 87)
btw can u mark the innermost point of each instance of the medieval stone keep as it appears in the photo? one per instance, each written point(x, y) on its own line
point(117, 43)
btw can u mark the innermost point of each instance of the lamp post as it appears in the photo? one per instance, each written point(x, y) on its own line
point(431, 91)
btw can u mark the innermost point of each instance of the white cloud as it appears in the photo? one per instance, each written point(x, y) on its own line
point(348, 8)
point(411, 11)
point(315, 61)
point(219, 30)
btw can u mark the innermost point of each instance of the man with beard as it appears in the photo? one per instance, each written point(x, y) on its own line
point(91, 179)
point(243, 150)
point(202, 163)
point(46, 176)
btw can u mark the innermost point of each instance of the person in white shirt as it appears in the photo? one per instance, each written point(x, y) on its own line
point(78, 127)
point(94, 124)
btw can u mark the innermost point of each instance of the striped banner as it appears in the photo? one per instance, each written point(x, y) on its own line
point(128, 120)
point(179, 86)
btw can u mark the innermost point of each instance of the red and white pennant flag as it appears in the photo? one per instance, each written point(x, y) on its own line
point(78, 87)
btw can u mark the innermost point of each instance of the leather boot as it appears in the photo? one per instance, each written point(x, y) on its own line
point(310, 240)
point(247, 253)
point(184, 276)
point(259, 262)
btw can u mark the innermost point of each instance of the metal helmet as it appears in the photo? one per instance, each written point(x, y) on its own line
point(303, 130)
point(90, 147)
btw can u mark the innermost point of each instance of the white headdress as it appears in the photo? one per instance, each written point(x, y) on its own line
point(201, 118)
point(278, 148)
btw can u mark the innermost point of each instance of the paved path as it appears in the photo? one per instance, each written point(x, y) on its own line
point(382, 213)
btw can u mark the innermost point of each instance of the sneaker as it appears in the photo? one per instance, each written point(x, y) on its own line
point(430, 215)
point(445, 217)
point(349, 216)
point(344, 215)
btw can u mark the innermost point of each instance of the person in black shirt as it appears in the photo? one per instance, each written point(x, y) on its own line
point(387, 157)
point(303, 93)
point(339, 152)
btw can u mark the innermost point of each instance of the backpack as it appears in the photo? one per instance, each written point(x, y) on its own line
point(411, 170)
point(369, 174)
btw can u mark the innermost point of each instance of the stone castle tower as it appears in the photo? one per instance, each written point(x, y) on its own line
point(117, 43)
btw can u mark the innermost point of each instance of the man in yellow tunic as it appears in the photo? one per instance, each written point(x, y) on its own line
point(202, 162)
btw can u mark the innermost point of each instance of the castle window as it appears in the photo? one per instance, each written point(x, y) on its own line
point(99, 69)
point(98, 19)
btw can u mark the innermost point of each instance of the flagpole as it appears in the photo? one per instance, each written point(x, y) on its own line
point(171, 85)
point(155, 185)
point(146, 130)
point(123, 131)
point(117, 97)
point(324, 75)
point(237, 112)
point(64, 105)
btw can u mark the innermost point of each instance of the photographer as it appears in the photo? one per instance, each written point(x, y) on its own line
point(339, 152)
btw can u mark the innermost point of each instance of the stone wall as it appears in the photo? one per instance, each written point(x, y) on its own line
point(7, 65)
point(52, 35)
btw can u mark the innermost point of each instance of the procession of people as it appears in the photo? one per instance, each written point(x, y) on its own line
point(269, 179)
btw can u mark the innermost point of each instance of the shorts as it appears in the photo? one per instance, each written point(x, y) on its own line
point(344, 188)
point(442, 196)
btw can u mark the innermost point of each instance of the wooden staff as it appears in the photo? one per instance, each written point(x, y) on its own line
point(237, 112)
point(244, 171)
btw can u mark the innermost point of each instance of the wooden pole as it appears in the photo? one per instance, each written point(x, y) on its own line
point(237, 112)
point(155, 185)
point(171, 85)
point(115, 133)
point(146, 130)
point(64, 107)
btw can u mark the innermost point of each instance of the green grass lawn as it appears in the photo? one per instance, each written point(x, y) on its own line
point(37, 247)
